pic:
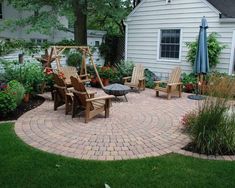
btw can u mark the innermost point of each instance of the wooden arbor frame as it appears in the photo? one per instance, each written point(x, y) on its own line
point(56, 52)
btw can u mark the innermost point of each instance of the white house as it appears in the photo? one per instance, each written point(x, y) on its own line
point(157, 32)
point(94, 37)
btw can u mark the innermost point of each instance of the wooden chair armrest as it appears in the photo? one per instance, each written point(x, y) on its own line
point(126, 78)
point(161, 81)
point(69, 94)
point(92, 92)
point(175, 84)
point(84, 75)
point(141, 79)
point(78, 92)
point(60, 87)
point(83, 93)
point(70, 89)
point(100, 98)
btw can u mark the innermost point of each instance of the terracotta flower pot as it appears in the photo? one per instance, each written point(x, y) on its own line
point(105, 81)
point(26, 97)
point(189, 88)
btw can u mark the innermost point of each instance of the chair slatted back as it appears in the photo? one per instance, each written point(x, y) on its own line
point(138, 73)
point(175, 75)
point(59, 82)
point(79, 86)
point(69, 71)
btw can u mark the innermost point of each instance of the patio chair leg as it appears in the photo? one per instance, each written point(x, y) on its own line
point(74, 104)
point(157, 93)
point(180, 94)
point(107, 105)
point(126, 98)
point(87, 111)
point(168, 96)
point(66, 105)
point(55, 100)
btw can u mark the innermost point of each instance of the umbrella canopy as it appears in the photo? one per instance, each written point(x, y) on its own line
point(201, 65)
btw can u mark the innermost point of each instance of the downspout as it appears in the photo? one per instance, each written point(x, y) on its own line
point(126, 38)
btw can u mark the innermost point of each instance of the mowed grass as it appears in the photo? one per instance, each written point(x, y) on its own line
point(23, 166)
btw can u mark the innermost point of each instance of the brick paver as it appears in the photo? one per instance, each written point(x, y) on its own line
point(142, 127)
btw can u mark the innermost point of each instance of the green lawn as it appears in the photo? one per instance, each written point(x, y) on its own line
point(23, 166)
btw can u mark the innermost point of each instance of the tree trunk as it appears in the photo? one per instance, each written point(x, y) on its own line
point(80, 25)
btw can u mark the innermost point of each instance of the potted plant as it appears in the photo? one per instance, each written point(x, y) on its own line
point(28, 89)
point(189, 81)
point(105, 74)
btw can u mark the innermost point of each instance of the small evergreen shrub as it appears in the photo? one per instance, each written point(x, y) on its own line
point(74, 59)
point(7, 102)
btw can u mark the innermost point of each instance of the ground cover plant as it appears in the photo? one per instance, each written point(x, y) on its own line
point(23, 166)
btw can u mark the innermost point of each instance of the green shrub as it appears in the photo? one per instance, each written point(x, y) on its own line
point(7, 103)
point(29, 74)
point(213, 129)
point(74, 59)
point(150, 77)
point(214, 50)
point(124, 68)
point(16, 89)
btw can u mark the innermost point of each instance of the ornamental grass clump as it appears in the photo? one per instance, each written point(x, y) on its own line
point(212, 130)
point(16, 89)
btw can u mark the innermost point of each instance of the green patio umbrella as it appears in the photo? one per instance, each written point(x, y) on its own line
point(201, 65)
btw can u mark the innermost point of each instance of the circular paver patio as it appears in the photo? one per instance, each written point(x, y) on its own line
point(145, 126)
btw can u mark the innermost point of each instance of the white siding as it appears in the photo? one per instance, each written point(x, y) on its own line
point(152, 15)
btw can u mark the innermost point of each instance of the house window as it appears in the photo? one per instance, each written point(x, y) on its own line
point(97, 43)
point(170, 44)
point(38, 41)
point(0, 10)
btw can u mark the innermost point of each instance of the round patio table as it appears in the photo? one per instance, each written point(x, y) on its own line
point(117, 90)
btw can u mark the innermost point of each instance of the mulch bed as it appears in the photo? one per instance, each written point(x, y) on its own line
point(34, 102)
point(191, 147)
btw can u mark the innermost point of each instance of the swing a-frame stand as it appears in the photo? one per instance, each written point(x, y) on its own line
point(56, 53)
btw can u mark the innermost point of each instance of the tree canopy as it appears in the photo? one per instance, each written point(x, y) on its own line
point(44, 16)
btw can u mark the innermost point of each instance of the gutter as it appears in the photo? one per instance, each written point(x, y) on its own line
point(227, 20)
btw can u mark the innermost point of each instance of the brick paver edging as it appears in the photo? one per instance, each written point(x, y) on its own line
point(142, 127)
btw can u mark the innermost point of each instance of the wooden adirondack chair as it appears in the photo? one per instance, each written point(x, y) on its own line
point(69, 71)
point(61, 94)
point(92, 105)
point(137, 79)
point(172, 85)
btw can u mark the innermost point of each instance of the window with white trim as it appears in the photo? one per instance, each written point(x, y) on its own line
point(0, 10)
point(170, 44)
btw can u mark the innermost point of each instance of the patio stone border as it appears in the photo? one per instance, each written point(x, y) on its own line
point(8, 121)
point(208, 157)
